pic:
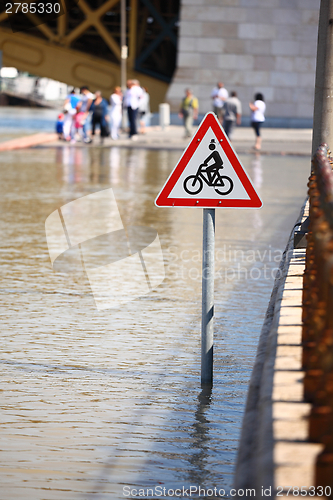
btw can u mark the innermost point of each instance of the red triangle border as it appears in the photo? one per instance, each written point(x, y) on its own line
point(163, 200)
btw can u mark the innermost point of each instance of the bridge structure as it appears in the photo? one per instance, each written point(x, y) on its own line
point(266, 46)
point(82, 45)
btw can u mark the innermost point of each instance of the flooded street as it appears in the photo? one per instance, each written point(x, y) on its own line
point(96, 403)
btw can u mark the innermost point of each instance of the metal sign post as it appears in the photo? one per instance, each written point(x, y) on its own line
point(208, 175)
point(207, 322)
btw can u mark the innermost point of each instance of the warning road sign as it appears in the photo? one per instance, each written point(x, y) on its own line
point(209, 174)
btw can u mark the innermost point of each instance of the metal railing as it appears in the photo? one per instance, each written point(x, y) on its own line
point(317, 334)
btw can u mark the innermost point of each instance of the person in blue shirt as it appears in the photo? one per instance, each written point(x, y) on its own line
point(60, 126)
point(74, 99)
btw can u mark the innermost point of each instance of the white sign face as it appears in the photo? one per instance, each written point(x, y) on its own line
point(205, 157)
point(209, 174)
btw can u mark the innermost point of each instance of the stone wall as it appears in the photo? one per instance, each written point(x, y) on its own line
point(251, 45)
point(274, 449)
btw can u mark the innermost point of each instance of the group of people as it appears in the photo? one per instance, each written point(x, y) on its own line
point(82, 109)
point(73, 122)
point(228, 110)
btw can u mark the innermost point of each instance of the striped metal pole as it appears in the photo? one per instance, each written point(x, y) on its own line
point(207, 325)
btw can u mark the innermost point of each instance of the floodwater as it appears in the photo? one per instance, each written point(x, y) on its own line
point(107, 404)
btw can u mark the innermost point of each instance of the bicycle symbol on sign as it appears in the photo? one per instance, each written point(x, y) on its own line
point(210, 174)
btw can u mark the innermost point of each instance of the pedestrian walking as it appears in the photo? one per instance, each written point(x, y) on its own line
point(70, 109)
point(144, 110)
point(189, 111)
point(258, 108)
point(116, 112)
point(219, 95)
point(73, 99)
point(132, 98)
point(60, 126)
point(68, 126)
point(232, 113)
point(100, 117)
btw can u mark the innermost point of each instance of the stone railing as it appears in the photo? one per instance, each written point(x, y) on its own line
point(317, 333)
point(286, 445)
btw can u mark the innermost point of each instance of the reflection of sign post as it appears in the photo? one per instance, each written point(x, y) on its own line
point(207, 176)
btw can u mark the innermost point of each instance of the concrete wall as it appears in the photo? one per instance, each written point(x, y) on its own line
point(251, 45)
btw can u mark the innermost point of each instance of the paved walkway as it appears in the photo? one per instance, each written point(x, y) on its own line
point(28, 141)
point(275, 141)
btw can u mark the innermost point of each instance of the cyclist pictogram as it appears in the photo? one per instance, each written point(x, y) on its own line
point(209, 172)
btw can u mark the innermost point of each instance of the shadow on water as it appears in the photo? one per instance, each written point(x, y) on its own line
point(201, 439)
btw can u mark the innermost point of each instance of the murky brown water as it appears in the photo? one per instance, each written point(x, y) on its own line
point(95, 401)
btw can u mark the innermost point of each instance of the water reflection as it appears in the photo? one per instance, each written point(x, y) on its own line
point(256, 173)
point(92, 165)
point(73, 164)
point(98, 386)
point(115, 165)
point(201, 439)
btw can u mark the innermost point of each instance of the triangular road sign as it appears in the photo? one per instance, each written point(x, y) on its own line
point(209, 174)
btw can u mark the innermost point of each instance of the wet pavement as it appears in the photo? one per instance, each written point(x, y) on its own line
point(97, 401)
point(18, 122)
point(296, 142)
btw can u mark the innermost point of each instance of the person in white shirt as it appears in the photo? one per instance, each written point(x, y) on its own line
point(144, 110)
point(116, 112)
point(69, 113)
point(132, 98)
point(258, 108)
point(219, 95)
point(72, 103)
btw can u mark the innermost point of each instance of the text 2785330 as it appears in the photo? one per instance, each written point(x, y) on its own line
point(33, 7)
